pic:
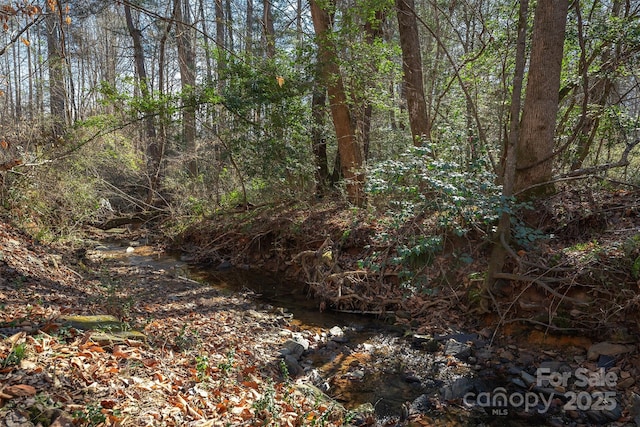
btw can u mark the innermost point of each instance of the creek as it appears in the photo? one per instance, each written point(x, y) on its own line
point(369, 365)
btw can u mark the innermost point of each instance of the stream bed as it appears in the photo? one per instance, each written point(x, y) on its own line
point(373, 367)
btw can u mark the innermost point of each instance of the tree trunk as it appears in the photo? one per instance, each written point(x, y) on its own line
point(595, 94)
point(154, 154)
point(229, 24)
point(373, 31)
point(412, 66)
point(248, 37)
point(318, 141)
point(57, 92)
point(269, 31)
point(187, 65)
point(536, 144)
point(503, 232)
point(350, 155)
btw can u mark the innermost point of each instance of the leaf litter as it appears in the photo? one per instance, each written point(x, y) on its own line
point(207, 360)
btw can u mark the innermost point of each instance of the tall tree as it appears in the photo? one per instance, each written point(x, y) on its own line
point(187, 66)
point(154, 153)
point(350, 155)
point(537, 128)
point(503, 233)
point(412, 66)
point(55, 59)
point(268, 29)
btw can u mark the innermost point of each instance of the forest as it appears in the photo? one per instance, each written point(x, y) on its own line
point(445, 166)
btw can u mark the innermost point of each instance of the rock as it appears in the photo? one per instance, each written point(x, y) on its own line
point(16, 418)
point(294, 348)
point(597, 417)
point(293, 367)
point(457, 389)
point(411, 378)
point(336, 331)
point(634, 410)
point(420, 405)
point(460, 337)
point(528, 378)
point(483, 355)
point(337, 334)
point(316, 395)
point(525, 359)
point(418, 340)
point(626, 383)
point(358, 374)
point(615, 413)
point(363, 415)
point(305, 343)
point(605, 361)
point(224, 265)
point(341, 340)
point(506, 355)
point(457, 349)
point(607, 349)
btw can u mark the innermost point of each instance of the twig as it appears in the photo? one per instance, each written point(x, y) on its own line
point(539, 282)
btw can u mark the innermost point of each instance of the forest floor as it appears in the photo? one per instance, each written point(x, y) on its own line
point(205, 358)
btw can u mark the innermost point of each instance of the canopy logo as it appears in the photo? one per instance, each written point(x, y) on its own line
point(499, 401)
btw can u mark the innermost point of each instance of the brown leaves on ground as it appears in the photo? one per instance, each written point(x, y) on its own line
point(209, 360)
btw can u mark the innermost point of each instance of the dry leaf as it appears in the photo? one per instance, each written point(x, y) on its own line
point(13, 339)
point(251, 384)
point(280, 80)
point(19, 390)
point(108, 404)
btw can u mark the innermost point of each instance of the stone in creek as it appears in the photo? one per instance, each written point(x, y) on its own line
point(293, 367)
point(457, 349)
point(336, 331)
point(294, 348)
point(605, 361)
point(337, 335)
point(420, 405)
point(457, 389)
point(607, 349)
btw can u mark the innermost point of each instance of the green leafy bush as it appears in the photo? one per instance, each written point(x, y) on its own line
point(427, 199)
